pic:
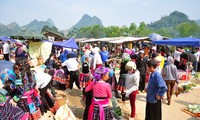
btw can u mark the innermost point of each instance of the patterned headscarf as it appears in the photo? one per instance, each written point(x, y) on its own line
point(7, 75)
point(99, 72)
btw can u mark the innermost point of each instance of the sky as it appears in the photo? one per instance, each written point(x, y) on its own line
point(66, 13)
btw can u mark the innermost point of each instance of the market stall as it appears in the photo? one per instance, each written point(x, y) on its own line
point(191, 41)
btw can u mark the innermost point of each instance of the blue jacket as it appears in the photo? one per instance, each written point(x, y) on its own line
point(156, 86)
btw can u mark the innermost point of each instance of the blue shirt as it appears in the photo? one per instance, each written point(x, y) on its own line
point(104, 55)
point(63, 56)
point(157, 86)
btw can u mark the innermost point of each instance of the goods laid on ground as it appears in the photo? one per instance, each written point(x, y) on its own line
point(184, 88)
point(61, 99)
point(64, 113)
point(193, 110)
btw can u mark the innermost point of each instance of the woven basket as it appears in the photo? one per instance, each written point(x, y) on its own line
point(36, 115)
point(60, 99)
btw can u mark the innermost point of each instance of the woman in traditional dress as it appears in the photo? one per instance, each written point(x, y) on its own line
point(100, 109)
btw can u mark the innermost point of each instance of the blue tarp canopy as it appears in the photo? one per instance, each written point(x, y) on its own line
point(4, 39)
point(191, 41)
point(67, 44)
point(5, 65)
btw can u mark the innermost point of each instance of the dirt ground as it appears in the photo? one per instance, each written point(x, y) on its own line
point(172, 112)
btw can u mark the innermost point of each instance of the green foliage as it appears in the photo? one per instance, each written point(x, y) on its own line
point(143, 30)
point(187, 29)
point(113, 31)
point(52, 29)
point(95, 31)
point(132, 29)
point(188, 87)
point(164, 32)
point(172, 20)
point(176, 24)
point(73, 33)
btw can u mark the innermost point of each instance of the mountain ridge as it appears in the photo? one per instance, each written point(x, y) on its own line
point(86, 20)
point(13, 28)
point(168, 22)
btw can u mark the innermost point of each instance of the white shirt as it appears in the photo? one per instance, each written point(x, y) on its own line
point(177, 55)
point(71, 63)
point(6, 48)
point(87, 52)
point(197, 55)
point(97, 60)
point(42, 79)
point(132, 82)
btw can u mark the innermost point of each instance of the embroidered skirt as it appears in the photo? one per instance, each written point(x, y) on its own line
point(10, 112)
point(84, 80)
point(107, 113)
point(121, 84)
point(59, 77)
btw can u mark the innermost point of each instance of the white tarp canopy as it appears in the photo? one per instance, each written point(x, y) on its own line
point(112, 39)
point(128, 39)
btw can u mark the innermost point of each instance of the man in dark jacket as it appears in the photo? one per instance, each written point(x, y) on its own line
point(141, 66)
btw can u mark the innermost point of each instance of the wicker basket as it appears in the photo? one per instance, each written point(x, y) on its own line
point(36, 115)
point(60, 99)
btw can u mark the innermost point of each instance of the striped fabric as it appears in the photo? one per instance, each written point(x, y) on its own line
point(9, 112)
point(84, 80)
point(59, 76)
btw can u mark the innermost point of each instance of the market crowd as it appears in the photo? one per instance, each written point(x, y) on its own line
point(153, 70)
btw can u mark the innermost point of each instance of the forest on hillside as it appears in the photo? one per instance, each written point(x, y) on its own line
point(176, 24)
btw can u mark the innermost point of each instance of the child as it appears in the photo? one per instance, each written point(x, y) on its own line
point(85, 76)
point(85, 79)
point(99, 109)
point(132, 84)
point(122, 77)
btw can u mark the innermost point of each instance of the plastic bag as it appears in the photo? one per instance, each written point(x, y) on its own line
point(64, 113)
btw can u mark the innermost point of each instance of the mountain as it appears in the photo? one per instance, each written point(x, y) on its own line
point(13, 25)
point(170, 21)
point(50, 21)
point(86, 21)
point(4, 30)
point(37, 26)
point(9, 29)
point(34, 26)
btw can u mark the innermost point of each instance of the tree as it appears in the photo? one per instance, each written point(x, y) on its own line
point(164, 32)
point(187, 29)
point(73, 33)
point(95, 31)
point(52, 29)
point(132, 29)
point(113, 31)
point(143, 30)
point(125, 31)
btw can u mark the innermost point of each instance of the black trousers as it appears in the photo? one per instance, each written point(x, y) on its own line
point(88, 101)
point(74, 75)
point(153, 111)
point(142, 82)
point(6, 57)
point(42, 97)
